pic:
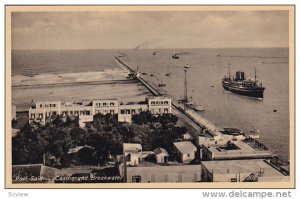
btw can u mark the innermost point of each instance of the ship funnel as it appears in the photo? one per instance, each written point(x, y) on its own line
point(240, 75)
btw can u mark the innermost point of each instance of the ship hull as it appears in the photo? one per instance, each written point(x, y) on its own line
point(257, 92)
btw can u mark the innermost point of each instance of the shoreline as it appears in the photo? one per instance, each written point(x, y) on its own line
point(108, 83)
point(63, 78)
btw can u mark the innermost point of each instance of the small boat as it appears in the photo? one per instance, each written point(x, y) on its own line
point(187, 66)
point(253, 134)
point(196, 107)
point(232, 131)
point(175, 56)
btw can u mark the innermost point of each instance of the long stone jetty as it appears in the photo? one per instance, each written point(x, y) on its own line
point(191, 116)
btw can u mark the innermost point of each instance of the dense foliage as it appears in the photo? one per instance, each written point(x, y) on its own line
point(104, 135)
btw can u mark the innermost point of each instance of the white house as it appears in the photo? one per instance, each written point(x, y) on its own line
point(185, 151)
point(132, 153)
point(161, 155)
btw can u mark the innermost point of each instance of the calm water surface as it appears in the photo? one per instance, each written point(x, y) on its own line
point(204, 81)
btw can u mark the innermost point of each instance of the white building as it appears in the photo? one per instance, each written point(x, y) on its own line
point(161, 155)
point(43, 112)
point(105, 106)
point(132, 153)
point(240, 171)
point(159, 105)
point(185, 151)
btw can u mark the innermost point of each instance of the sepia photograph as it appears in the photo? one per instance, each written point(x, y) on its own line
point(150, 97)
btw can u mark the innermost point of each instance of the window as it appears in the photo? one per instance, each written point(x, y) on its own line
point(152, 103)
point(136, 179)
point(112, 103)
point(104, 104)
point(166, 110)
point(166, 102)
point(188, 155)
point(41, 105)
point(32, 116)
point(88, 112)
point(122, 111)
point(112, 111)
point(54, 105)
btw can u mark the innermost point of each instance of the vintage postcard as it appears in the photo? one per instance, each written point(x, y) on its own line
point(150, 97)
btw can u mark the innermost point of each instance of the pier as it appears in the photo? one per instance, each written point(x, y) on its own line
point(198, 122)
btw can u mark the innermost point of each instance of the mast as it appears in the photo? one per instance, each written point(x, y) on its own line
point(229, 70)
point(185, 96)
point(255, 74)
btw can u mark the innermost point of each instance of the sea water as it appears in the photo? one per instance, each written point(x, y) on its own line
point(207, 68)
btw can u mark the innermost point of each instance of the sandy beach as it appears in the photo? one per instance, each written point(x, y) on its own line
point(109, 83)
point(64, 78)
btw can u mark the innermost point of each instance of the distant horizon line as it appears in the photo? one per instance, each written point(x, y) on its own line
point(144, 48)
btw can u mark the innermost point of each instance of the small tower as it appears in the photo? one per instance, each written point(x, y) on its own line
point(185, 96)
point(137, 72)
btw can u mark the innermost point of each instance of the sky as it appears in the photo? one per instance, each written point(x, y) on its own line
point(149, 29)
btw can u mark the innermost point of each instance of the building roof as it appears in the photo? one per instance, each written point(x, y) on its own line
point(132, 147)
point(185, 147)
point(241, 149)
point(240, 166)
point(104, 99)
point(159, 150)
point(158, 97)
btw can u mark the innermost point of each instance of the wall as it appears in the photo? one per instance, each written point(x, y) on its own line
point(186, 159)
point(157, 173)
point(134, 160)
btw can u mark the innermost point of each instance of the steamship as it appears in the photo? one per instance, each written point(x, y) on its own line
point(242, 86)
